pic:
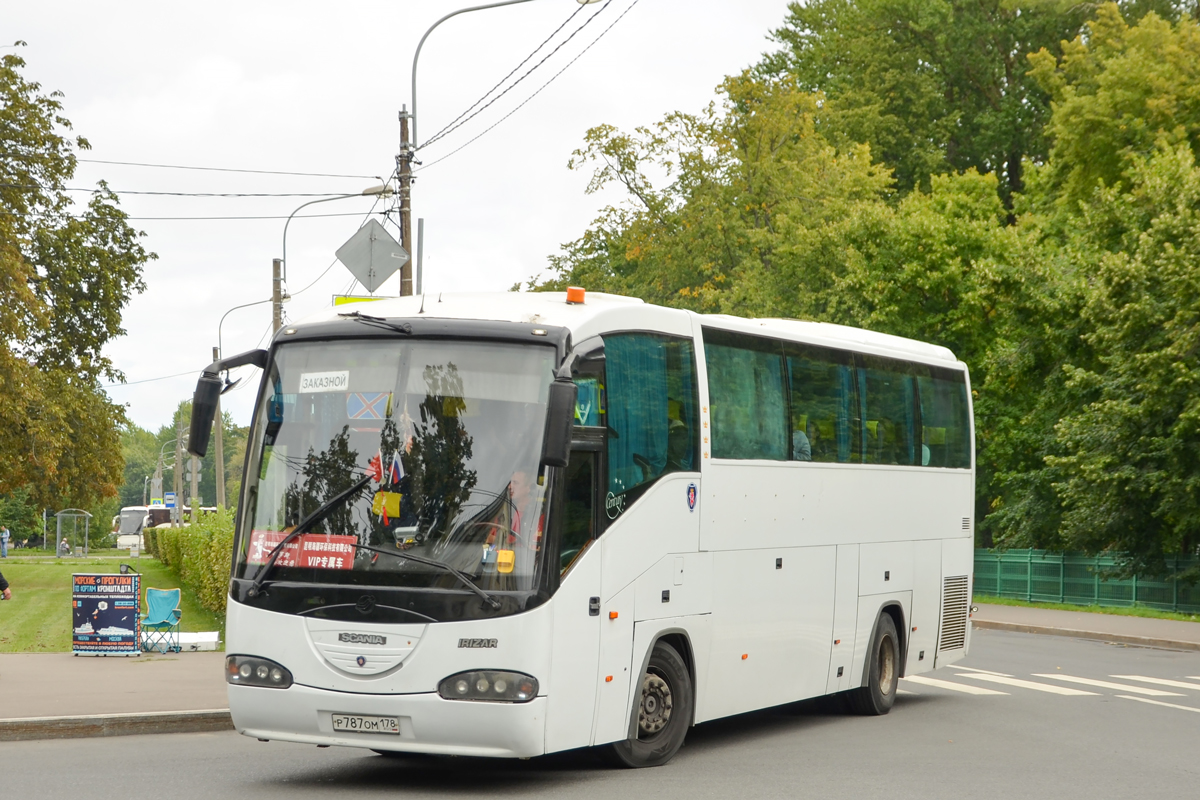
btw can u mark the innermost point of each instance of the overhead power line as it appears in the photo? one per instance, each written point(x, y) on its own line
point(172, 194)
point(499, 83)
point(535, 94)
point(232, 217)
point(149, 380)
point(226, 169)
point(455, 126)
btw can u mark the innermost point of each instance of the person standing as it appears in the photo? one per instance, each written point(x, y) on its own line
point(5, 592)
point(4, 537)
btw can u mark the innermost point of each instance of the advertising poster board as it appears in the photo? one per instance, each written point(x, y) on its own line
point(105, 618)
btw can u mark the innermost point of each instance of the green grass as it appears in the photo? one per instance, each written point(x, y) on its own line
point(38, 618)
point(1122, 611)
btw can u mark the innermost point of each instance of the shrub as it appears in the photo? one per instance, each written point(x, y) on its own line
point(200, 555)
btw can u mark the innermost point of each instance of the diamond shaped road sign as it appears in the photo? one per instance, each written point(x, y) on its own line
point(372, 255)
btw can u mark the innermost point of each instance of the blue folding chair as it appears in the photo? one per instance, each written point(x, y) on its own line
point(160, 623)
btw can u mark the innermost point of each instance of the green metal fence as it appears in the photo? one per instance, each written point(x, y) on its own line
point(1040, 576)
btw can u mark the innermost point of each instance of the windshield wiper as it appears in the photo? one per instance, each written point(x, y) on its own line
point(404, 554)
point(321, 513)
point(378, 322)
point(303, 527)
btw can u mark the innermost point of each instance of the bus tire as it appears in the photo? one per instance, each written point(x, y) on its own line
point(883, 676)
point(664, 713)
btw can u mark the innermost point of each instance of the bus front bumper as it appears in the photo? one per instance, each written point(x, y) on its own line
point(428, 724)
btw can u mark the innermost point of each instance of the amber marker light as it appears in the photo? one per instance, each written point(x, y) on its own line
point(575, 295)
point(612, 615)
point(608, 679)
point(745, 656)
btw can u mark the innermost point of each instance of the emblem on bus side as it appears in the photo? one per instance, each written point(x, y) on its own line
point(362, 638)
point(691, 495)
point(477, 642)
point(614, 505)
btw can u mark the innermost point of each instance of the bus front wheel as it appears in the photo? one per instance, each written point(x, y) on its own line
point(664, 712)
point(883, 665)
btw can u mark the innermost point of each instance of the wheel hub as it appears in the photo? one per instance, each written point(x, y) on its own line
point(887, 666)
point(655, 712)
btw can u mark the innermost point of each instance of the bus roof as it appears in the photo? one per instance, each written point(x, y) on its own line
point(602, 313)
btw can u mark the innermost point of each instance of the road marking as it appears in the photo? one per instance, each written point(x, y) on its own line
point(1194, 677)
point(1159, 703)
point(1037, 687)
point(1159, 681)
point(906, 691)
point(984, 671)
point(954, 687)
point(1120, 687)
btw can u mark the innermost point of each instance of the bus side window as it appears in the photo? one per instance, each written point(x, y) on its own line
point(652, 408)
point(945, 423)
point(823, 405)
point(579, 495)
point(747, 395)
point(889, 427)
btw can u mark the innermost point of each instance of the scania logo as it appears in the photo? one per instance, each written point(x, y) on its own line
point(477, 642)
point(362, 638)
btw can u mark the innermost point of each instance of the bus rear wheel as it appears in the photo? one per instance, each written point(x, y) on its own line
point(664, 712)
point(879, 695)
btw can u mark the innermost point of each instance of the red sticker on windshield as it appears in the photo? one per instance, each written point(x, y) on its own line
point(313, 550)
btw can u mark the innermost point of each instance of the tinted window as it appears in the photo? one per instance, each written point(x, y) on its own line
point(747, 404)
point(945, 419)
point(824, 425)
point(889, 412)
point(652, 419)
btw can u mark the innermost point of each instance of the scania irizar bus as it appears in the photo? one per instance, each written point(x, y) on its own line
point(514, 524)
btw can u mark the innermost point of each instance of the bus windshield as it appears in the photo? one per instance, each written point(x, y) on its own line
point(457, 430)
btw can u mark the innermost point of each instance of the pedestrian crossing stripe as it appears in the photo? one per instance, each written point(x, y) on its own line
point(1120, 687)
point(954, 687)
point(1159, 681)
point(985, 671)
point(1037, 687)
point(1159, 702)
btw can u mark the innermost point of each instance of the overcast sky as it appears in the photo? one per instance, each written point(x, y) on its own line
point(316, 87)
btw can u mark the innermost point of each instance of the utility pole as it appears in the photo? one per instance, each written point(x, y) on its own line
point(405, 170)
point(276, 295)
point(177, 471)
point(195, 493)
point(220, 453)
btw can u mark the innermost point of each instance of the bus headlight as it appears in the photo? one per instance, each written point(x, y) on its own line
point(493, 685)
point(254, 671)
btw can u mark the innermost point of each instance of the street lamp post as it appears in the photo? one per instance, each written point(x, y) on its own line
point(407, 147)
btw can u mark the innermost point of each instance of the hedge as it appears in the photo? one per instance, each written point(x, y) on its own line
point(199, 554)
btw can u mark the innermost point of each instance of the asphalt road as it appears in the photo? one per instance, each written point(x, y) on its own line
point(1004, 733)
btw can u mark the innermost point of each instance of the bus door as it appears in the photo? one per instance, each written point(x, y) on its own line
point(576, 648)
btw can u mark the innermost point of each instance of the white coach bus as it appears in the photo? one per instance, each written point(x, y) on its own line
point(514, 524)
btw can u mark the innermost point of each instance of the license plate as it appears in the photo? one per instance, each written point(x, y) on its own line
point(360, 724)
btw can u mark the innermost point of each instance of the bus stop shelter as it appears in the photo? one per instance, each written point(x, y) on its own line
point(67, 529)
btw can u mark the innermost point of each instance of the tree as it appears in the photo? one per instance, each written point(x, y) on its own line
point(742, 178)
point(934, 86)
point(67, 274)
point(1130, 468)
point(1117, 92)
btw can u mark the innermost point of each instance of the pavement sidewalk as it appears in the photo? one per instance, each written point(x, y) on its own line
point(58, 695)
point(1146, 631)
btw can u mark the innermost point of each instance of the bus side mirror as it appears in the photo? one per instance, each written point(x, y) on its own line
point(204, 410)
point(208, 392)
point(560, 416)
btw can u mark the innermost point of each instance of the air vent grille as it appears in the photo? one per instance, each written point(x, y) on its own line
point(955, 599)
point(966, 523)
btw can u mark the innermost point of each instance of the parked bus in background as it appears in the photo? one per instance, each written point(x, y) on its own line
point(514, 524)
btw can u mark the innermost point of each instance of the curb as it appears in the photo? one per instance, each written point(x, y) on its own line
point(1141, 641)
point(14, 730)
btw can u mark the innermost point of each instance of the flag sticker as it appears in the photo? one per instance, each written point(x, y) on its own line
point(368, 405)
